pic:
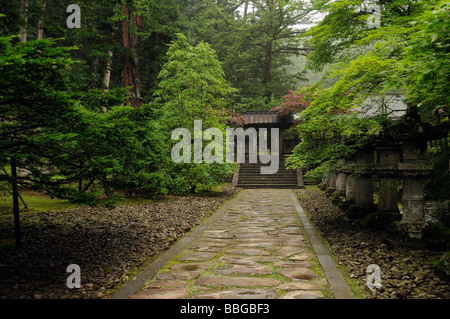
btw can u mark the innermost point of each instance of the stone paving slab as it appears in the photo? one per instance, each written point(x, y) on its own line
point(238, 293)
point(255, 247)
point(223, 281)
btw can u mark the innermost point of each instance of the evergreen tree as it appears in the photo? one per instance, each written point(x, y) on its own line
point(192, 87)
point(254, 45)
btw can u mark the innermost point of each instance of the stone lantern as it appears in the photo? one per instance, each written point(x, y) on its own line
point(341, 177)
point(388, 158)
point(415, 169)
point(331, 182)
point(350, 183)
point(412, 136)
point(363, 186)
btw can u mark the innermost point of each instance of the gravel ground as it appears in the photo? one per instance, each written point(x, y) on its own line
point(406, 273)
point(107, 244)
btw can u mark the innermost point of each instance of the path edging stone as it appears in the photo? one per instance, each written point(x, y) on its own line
point(337, 283)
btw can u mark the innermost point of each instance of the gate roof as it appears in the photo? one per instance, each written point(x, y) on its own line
point(261, 118)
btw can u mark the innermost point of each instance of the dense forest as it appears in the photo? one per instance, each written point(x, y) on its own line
point(96, 102)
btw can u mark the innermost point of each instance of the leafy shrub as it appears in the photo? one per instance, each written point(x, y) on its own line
point(85, 198)
point(438, 184)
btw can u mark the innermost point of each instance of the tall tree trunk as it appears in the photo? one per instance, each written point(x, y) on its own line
point(16, 209)
point(95, 66)
point(40, 31)
point(127, 72)
point(80, 180)
point(15, 191)
point(107, 75)
point(131, 65)
point(268, 69)
point(136, 48)
point(24, 21)
point(268, 48)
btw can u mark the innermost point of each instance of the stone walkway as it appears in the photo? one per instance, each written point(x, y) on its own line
point(255, 247)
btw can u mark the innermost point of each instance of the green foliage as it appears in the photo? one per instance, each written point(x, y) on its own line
point(85, 198)
point(255, 47)
point(59, 141)
point(192, 84)
point(100, 100)
point(426, 56)
point(120, 148)
point(192, 87)
point(241, 41)
point(328, 132)
point(407, 55)
point(438, 184)
point(62, 134)
point(38, 117)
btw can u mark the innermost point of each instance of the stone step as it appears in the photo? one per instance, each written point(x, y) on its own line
point(258, 169)
point(261, 163)
point(273, 180)
point(254, 166)
point(257, 186)
point(250, 176)
point(268, 177)
point(268, 182)
point(258, 172)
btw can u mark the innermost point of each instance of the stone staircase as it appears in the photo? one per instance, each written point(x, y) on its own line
point(250, 176)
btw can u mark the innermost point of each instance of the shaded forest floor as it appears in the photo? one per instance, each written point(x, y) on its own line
point(406, 272)
point(109, 245)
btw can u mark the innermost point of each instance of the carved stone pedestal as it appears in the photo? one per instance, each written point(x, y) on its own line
point(331, 187)
point(387, 173)
point(414, 169)
point(363, 185)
